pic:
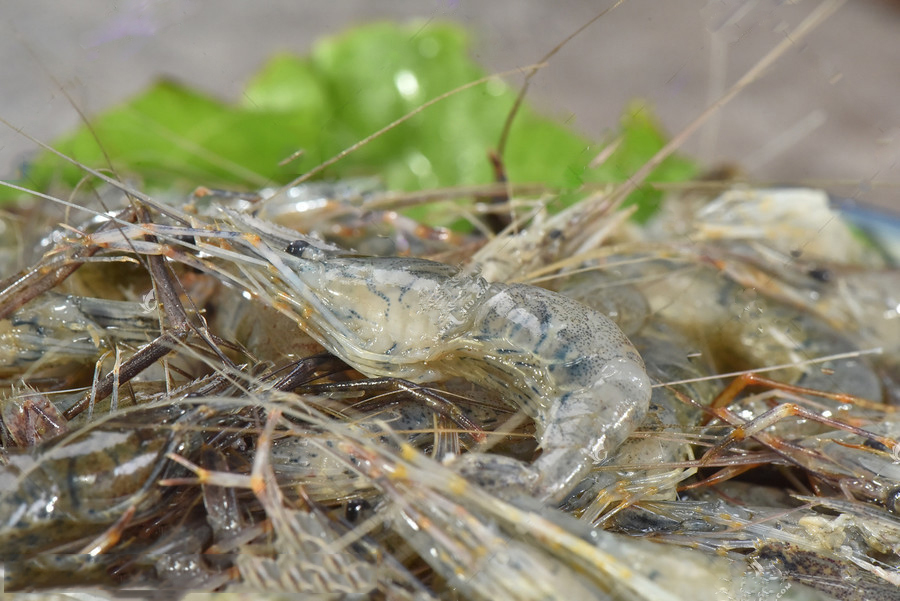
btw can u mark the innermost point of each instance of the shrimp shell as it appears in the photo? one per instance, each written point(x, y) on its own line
point(566, 366)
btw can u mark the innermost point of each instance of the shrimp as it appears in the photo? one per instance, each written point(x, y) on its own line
point(741, 329)
point(622, 303)
point(76, 486)
point(792, 247)
point(339, 212)
point(517, 253)
point(307, 559)
point(791, 221)
point(54, 336)
point(312, 553)
point(567, 367)
point(792, 544)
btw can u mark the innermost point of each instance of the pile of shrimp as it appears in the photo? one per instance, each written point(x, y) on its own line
point(256, 393)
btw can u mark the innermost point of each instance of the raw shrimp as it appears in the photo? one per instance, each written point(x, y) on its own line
point(566, 366)
point(740, 328)
point(73, 487)
point(860, 467)
point(52, 337)
point(791, 246)
point(793, 544)
point(307, 558)
point(28, 418)
point(339, 213)
point(794, 222)
point(312, 553)
point(622, 303)
point(517, 253)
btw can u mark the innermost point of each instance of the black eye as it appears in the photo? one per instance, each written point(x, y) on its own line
point(892, 500)
point(820, 273)
point(297, 247)
point(354, 508)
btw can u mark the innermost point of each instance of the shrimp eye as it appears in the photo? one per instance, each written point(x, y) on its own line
point(892, 501)
point(820, 273)
point(354, 508)
point(297, 247)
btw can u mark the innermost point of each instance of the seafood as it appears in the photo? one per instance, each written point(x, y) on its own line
point(71, 486)
point(401, 469)
point(567, 367)
point(59, 337)
point(629, 476)
point(550, 418)
point(28, 417)
point(316, 478)
point(843, 281)
point(482, 545)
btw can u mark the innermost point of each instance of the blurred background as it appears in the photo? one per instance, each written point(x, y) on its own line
point(826, 113)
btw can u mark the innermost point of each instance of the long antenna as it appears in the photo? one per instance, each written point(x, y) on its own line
point(507, 125)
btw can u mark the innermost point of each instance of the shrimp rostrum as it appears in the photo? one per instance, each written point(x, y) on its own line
point(567, 367)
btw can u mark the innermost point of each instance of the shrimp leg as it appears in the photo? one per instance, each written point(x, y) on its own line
point(21, 288)
point(159, 348)
point(430, 398)
point(796, 455)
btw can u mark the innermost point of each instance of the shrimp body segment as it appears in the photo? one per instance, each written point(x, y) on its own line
point(566, 366)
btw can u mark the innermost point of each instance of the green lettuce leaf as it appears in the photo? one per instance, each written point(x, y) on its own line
point(351, 85)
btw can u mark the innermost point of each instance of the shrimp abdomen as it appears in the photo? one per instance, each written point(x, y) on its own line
point(574, 372)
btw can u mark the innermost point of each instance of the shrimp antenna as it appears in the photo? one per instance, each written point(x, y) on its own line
point(792, 38)
point(168, 210)
point(321, 167)
point(84, 119)
point(823, 359)
point(507, 125)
